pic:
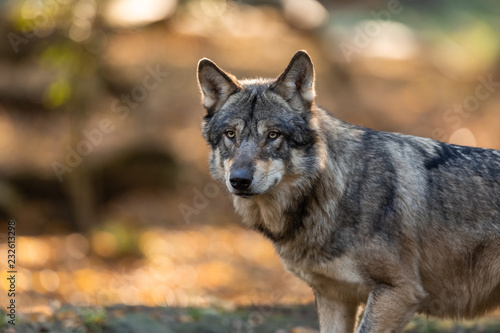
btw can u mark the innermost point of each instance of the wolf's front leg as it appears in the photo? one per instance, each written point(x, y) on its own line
point(335, 316)
point(389, 309)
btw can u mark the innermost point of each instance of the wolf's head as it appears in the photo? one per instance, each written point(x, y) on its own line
point(262, 132)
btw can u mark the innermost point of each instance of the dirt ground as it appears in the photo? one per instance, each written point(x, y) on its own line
point(262, 319)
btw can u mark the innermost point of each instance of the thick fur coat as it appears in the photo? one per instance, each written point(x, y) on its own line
point(402, 224)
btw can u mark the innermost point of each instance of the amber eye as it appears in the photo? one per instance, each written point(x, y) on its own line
point(273, 135)
point(230, 134)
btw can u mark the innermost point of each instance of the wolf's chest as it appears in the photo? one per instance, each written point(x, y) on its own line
point(340, 278)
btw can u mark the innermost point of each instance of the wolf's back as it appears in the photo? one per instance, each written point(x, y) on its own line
point(394, 177)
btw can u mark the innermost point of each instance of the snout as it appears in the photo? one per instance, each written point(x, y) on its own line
point(241, 179)
point(250, 179)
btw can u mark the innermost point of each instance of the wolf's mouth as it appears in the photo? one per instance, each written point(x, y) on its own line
point(245, 195)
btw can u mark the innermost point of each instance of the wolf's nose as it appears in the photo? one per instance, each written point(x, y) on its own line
point(241, 179)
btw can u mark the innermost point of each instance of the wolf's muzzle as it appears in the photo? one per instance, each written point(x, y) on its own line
point(241, 179)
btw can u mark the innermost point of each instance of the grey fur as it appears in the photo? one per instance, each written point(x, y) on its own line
point(404, 224)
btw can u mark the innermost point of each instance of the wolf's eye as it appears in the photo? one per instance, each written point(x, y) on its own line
point(230, 134)
point(273, 135)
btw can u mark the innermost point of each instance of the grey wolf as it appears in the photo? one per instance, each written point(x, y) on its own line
point(400, 223)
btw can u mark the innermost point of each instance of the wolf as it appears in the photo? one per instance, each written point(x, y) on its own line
point(399, 223)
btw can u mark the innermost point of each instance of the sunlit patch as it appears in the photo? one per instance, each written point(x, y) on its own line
point(128, 13)
point(66, 286)
point(187, 276)
point(87, 280)
point(77, 246)
point(36, 284)
point(305, 14)
point(262, 255)
point(24, 282)
point(216, 274)
point(395, 41)
point(4, 283)
point(130, 295)
point(49, 280)
point(33, 252)
point(177, 296)
point(213, 8)
point(104, 243)
point(153, 245)
point(158, 295)
point(177, 268)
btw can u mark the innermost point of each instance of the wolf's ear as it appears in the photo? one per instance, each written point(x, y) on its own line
point(216, 85)
point(297, 81)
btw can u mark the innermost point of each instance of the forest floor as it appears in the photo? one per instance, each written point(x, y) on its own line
point(265, 319)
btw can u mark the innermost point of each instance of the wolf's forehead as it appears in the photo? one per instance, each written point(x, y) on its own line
point(260, 109)
point(261, 125)
point(256, 101)
point(255, 109)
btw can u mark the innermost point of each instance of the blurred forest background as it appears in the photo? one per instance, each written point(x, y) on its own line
point(102, 163)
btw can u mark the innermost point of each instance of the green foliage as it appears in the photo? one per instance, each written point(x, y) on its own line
point(3, 319)
point(94, 319)
point(58, 93)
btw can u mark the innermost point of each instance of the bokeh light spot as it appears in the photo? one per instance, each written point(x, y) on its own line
point(104, 243)
point(49, 279)
point(464, 137)
point(77, 246)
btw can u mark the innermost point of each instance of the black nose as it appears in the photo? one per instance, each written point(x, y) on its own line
point(241, 179)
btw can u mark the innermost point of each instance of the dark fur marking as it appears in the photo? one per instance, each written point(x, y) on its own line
point(266, 232)
point(343, 237)
point(294, 222)
point(295, 218)
point(297, 132)
point(444, 154)
point(381, 283)
point(350, 212)
point(475, 256)
point(385, 219)
point(458, 177)
point(338, 243)
point(387, 211)
point(447, 153)
point(435, 196)
point(252, 108)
